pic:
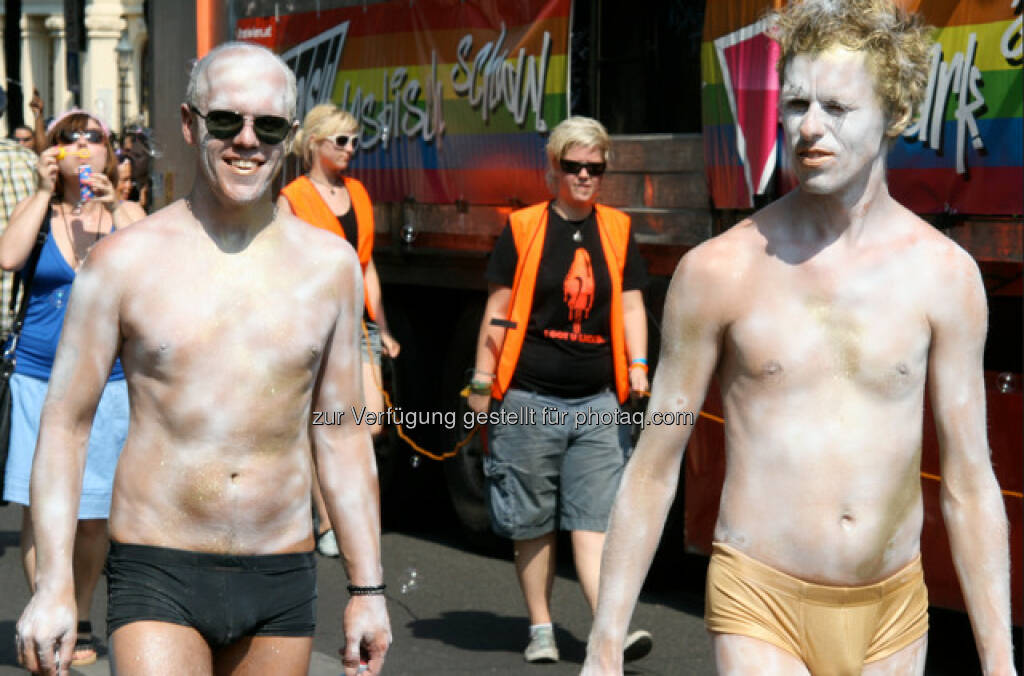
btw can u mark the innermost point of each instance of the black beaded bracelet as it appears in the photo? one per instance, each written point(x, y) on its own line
point(374, 590)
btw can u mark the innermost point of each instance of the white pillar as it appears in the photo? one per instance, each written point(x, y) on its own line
point(103, 25)
point(35, 63)
point(136, 26)
point(62, 98)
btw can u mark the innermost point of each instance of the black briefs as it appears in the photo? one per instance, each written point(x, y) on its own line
point(224, 597)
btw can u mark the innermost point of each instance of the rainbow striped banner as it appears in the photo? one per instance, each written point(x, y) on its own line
point(964, 153)
point(454, 97)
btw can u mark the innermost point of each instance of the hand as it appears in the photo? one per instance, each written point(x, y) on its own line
point(367, 633)
point(46, 632)
point(47, 169)
point(480, 403)
point(36, 104)
point(638, 382)
point(103, 190)
point(390, 345)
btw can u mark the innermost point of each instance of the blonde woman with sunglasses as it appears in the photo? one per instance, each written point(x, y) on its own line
point(326, 198)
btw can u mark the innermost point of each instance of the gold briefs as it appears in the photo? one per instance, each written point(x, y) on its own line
point(834, 630)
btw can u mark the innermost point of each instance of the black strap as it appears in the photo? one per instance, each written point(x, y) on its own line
point(23, 278)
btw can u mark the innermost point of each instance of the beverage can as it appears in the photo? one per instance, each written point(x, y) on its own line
point(85, 192)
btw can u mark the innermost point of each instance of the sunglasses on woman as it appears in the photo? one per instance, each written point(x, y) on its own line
point(90, 135)
point(574, 168)
point(225, 124)
point(342, 140)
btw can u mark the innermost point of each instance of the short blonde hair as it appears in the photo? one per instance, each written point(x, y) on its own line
point(575, 131)
point(897, 44)
point(322, 121)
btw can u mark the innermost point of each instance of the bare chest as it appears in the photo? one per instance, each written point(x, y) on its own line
point(798, 330)
point(229, 319)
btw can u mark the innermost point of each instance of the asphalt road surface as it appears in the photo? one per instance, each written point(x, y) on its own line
point(457, 611)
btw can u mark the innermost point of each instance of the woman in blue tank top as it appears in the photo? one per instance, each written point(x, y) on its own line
point(77, 205)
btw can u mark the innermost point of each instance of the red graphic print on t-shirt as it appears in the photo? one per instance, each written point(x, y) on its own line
point(578, 289)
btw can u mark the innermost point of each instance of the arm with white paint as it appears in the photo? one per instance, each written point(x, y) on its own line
point(693, 327)
point(89, 344)
point(972, 505)
point(347, 472)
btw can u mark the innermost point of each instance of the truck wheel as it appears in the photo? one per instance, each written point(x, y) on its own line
point(464, 473)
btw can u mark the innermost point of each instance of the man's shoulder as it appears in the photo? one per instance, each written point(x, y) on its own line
point(727, 252)
point(9, 146)
point(13, 152)
point(315, 242)
point(931, 249)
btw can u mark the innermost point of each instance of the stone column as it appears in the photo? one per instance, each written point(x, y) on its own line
point(62, 98)
point(137, 33)
point(35, 63)
point(103, 25)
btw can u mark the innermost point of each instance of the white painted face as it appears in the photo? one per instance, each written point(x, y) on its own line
point(833, 119)
point(580, 189)
point(239, 169)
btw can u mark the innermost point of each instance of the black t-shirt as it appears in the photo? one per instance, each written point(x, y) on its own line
point(567, 350)
point(350, 227)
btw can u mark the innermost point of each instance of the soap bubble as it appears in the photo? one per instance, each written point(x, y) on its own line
point(411, 580)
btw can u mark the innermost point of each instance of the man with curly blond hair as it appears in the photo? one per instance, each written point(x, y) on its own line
point(823, 316)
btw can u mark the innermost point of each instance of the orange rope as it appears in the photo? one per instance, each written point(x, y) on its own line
point(452, 453)
point(398, 427)
point(1010, 494)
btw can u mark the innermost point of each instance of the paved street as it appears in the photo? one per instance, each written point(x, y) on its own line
point(458, 612)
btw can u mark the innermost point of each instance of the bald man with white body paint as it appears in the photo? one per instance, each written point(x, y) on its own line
point(823, 316)
point(234, 323)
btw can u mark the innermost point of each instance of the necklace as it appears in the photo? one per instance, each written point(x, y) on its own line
point(577, 235)
point(330, 186)
point(76, 259)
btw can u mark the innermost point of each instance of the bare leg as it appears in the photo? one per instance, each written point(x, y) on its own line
point(28, 548)
point(90, 553)
point(741, 655)
point(586, 549)
point(909, 660)
point(259, 655)
point(535, 566)
point(143, 648)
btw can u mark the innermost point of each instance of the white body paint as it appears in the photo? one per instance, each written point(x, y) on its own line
point(823, 317)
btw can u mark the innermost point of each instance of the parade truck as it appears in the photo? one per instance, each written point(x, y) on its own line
point(455, 99)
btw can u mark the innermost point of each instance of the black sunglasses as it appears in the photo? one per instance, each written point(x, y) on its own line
point(90, 135)
point(342, 140)
point(224, 124)
point(593, 168)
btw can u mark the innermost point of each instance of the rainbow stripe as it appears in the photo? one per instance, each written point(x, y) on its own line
point(479, 157)
point(958, 175)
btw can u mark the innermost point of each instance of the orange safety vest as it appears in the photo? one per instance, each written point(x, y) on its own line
point(529, 227)
point(308, 205)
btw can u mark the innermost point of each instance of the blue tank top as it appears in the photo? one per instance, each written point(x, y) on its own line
point(44, 317)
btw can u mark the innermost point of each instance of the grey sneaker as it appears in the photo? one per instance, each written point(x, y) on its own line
point(542, 648)
point(637, 645)
point(327, 545)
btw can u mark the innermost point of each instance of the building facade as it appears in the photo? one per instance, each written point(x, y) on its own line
point(93, 76)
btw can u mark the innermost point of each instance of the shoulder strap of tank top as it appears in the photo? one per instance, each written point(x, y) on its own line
point(23, 278)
